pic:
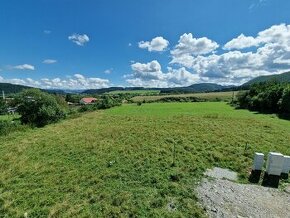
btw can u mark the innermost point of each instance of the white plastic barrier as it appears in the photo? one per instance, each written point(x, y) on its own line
point(258, 161)
point(286, 165)
point(275, 163)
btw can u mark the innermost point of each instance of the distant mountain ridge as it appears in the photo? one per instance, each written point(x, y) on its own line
point(200, 87)
point(110, 89)
point(9, 88)
point(283, 77)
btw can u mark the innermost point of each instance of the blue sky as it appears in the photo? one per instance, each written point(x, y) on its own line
point(79, 44)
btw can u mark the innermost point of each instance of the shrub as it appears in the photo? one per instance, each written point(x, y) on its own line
point(3, 107)
point(180, 99)
point(270, 97)
point(61, 102)
point(88, 107)
point(38, 108)
point(74, 98)
point(284, 102)
point(7, 127)
point(109, 101)
point(243, 99)
point(105, 102)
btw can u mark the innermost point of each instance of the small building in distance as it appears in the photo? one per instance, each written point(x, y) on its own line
point(88, 100)
point(11, 110)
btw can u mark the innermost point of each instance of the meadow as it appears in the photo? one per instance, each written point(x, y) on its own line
point(120, 162)
point(8, 117)
point(137, 92)
point(211, 96)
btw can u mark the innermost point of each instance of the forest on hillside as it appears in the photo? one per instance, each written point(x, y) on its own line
point(268, 97)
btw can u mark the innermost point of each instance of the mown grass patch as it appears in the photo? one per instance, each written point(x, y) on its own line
point(211, 96)
point(118, 162)
point(139, 92)
point(8, 117)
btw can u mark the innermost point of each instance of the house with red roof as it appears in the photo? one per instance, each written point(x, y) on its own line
point(88, 100)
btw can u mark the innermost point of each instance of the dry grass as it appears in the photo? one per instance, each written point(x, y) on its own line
point(216, 96)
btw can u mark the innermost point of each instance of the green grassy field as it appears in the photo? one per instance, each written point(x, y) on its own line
point(118, 162)
point(8, 117)
point(222, 96)
point(140, 92)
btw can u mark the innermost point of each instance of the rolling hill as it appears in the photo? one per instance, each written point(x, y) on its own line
point(284, 77)
point(200, 87)
point(195, 88)
point(111, 89)
point(12, 88)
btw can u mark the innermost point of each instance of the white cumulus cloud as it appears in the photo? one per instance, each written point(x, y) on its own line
point(274, 34)
point(270, 54)
point(79, 39)
point(47, 32)
point(151, 75)
point(77, 81)
point(241, 42)
point(156, 44)
point(187, 45)
point(24, 67)
point(108, 71)
point(49, 61)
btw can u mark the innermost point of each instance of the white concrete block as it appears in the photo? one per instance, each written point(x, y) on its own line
point(258, 161)
point(286, 165)
point(275, 163)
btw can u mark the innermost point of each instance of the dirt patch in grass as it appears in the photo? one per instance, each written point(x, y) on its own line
point(223, 198)
point(220, 173)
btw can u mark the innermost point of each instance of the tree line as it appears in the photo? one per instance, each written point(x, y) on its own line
point(266, 97)
point(36, 108)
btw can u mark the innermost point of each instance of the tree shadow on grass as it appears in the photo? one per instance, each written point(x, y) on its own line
point(280, 116)
point(284, 116)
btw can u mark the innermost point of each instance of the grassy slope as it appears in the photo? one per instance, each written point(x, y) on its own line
point(141, 92)
point(5, 117)
point(12, 88)
point(8, 117)
point(117, 162)
point(283, 77)
point(209, 96)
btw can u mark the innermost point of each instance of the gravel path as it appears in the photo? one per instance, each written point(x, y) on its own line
point(223, 198)
point(221, 173)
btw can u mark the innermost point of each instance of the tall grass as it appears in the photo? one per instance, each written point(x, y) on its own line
point(211, 96)
point(118, 162)
point(10, 124)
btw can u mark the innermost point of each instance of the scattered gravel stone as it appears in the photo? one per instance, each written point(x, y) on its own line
point(223, 198)
point(171, 206)
point(288, 189)
point(220, 173)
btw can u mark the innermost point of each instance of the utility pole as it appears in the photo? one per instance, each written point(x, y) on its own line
point(3, 95)
point(233, 96)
